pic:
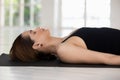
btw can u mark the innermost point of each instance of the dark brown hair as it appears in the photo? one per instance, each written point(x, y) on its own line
point(22, 50)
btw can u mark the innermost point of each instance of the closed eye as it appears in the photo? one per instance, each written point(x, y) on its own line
point(32, 32)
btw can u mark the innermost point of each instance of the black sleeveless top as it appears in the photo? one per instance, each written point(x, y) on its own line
point(100, 39)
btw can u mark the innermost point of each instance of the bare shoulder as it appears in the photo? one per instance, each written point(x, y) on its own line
point(63, 50)
point(72, 41)
point(67, 52)
point(75, 40)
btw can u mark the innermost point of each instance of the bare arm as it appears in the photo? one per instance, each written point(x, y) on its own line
point(74, 54)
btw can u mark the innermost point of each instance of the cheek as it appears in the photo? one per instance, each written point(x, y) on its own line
point(34, 38)
point(41, 36)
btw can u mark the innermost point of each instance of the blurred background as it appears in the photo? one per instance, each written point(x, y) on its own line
point(60, 16)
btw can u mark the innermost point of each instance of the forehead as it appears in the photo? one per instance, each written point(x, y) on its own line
point(25, 34)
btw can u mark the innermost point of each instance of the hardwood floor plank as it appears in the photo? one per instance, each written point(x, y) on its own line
point(58, 73)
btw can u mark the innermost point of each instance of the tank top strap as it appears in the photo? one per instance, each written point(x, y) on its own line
point(65, 39)
point(72, 34)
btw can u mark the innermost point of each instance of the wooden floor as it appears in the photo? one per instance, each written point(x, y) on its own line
point(58, 73)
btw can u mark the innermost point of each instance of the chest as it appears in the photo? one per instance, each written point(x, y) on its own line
point(77, 41)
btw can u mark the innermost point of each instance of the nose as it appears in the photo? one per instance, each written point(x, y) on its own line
point(38, 28)
point(41, 28)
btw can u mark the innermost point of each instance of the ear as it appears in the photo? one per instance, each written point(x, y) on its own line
point(36, 45)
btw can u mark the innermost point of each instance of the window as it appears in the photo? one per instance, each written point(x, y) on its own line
point(84, 13)
point(15, 17)
point(61, 16)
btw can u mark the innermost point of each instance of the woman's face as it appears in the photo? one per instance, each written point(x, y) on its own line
point(38, 35)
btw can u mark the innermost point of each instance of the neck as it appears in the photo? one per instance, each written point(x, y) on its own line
point(54, 42)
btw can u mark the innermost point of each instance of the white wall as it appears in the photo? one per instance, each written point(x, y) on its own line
point(115, 13)
point(50, 15)
point(47, 13)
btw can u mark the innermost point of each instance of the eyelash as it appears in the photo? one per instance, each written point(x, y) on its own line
point(33, 32)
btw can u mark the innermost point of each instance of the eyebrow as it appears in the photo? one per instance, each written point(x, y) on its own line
point(30, 31)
